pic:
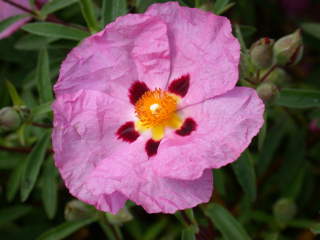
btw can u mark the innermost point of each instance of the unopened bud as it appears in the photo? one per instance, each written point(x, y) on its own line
point(284, 210)
point(261, 53)
point(121, 217)
point(288, 50)
point(76, 210)
point(279, 77)
point(267, 91)
point(9, 119)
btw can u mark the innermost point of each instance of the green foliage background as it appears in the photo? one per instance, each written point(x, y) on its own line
point(271, 192)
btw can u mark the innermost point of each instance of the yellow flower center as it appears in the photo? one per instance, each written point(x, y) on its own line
point(156, 110)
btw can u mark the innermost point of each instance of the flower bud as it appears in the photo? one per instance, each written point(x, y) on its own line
point(9, 119)
point(76, 210)
point(279, 77)
point(267, 91)
point(284, 210)
point(288, 50)
point(261, 53)
point(121, 217)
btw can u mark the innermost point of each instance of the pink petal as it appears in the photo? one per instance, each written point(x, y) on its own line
point(133, 48)
point(104, 171)
point(7, 11)
point(201, 44)
point(225, 127)
point(84, 133)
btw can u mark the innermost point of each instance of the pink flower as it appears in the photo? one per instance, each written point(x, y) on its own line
point(148, 106)
point(7, 10)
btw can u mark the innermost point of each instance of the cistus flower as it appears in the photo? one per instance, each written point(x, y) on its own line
point(7, 10)
point(147, 107)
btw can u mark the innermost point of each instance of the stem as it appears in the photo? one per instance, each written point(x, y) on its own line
point(108, 228)
point(15, 149)
point(20, 149)
point(268, 73)
point(20, 7)
point(41, 125)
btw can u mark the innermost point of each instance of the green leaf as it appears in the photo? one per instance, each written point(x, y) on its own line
point(14, 181)
point(12, 213)
point(245, 173)
point(42, 109)
point(87, 10)
point(188, 234)
point(312, 28)
point(33, 42)
point(55, 31)
point(65, 229)
point(155, 229)
point(43, 77)
point(11, 20)
point(111, 9)
point(230, 228)
point(298, 98)
point(16, 99)
point(221, 6)
point(55, 5)
point(33, 164)
point(49, 188)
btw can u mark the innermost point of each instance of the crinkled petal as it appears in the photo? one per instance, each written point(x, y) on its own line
point(202, 45)
point(104, 171)
point(7, 11)
point(225, 127)
point(130, 171)
point(133, 48)
point(84, 134)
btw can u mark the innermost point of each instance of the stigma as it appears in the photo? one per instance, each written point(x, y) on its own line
point(157, 110)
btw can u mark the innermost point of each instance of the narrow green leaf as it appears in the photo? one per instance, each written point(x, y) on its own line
point(142, 5)
point(188, 234)
point(12, 213)
point(33, 164)
point(272, 141)
point(65, 229)
point(239, 36)
point(245, 173)
point(43, 77)
point(155, 229)
point(111, 9)
point(33, 42)
point(262, 133)
point(42, 109)
point(55, 31)
point(11, 20)
point(230, 228)
point(49, 188)
point(14, 181)
point(55, 5)
point(311, 28)
point(16, 99)
point(87, 10)
point(220, 6)
point(298, 98)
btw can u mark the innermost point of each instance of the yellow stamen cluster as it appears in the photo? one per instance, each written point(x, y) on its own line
point(156, 108)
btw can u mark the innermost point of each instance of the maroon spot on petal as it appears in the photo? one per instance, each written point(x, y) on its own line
point(152, 147)
point(136, 90)
point(127, 132)
point(180, 85)
point(188, 126)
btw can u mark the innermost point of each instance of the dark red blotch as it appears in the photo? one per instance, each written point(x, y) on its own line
point(152, 147)
point(180, 86)
point(127, 132)
point(136, 90)
point(187, 128)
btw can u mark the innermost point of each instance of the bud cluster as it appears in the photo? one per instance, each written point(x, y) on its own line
point(262, 64)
